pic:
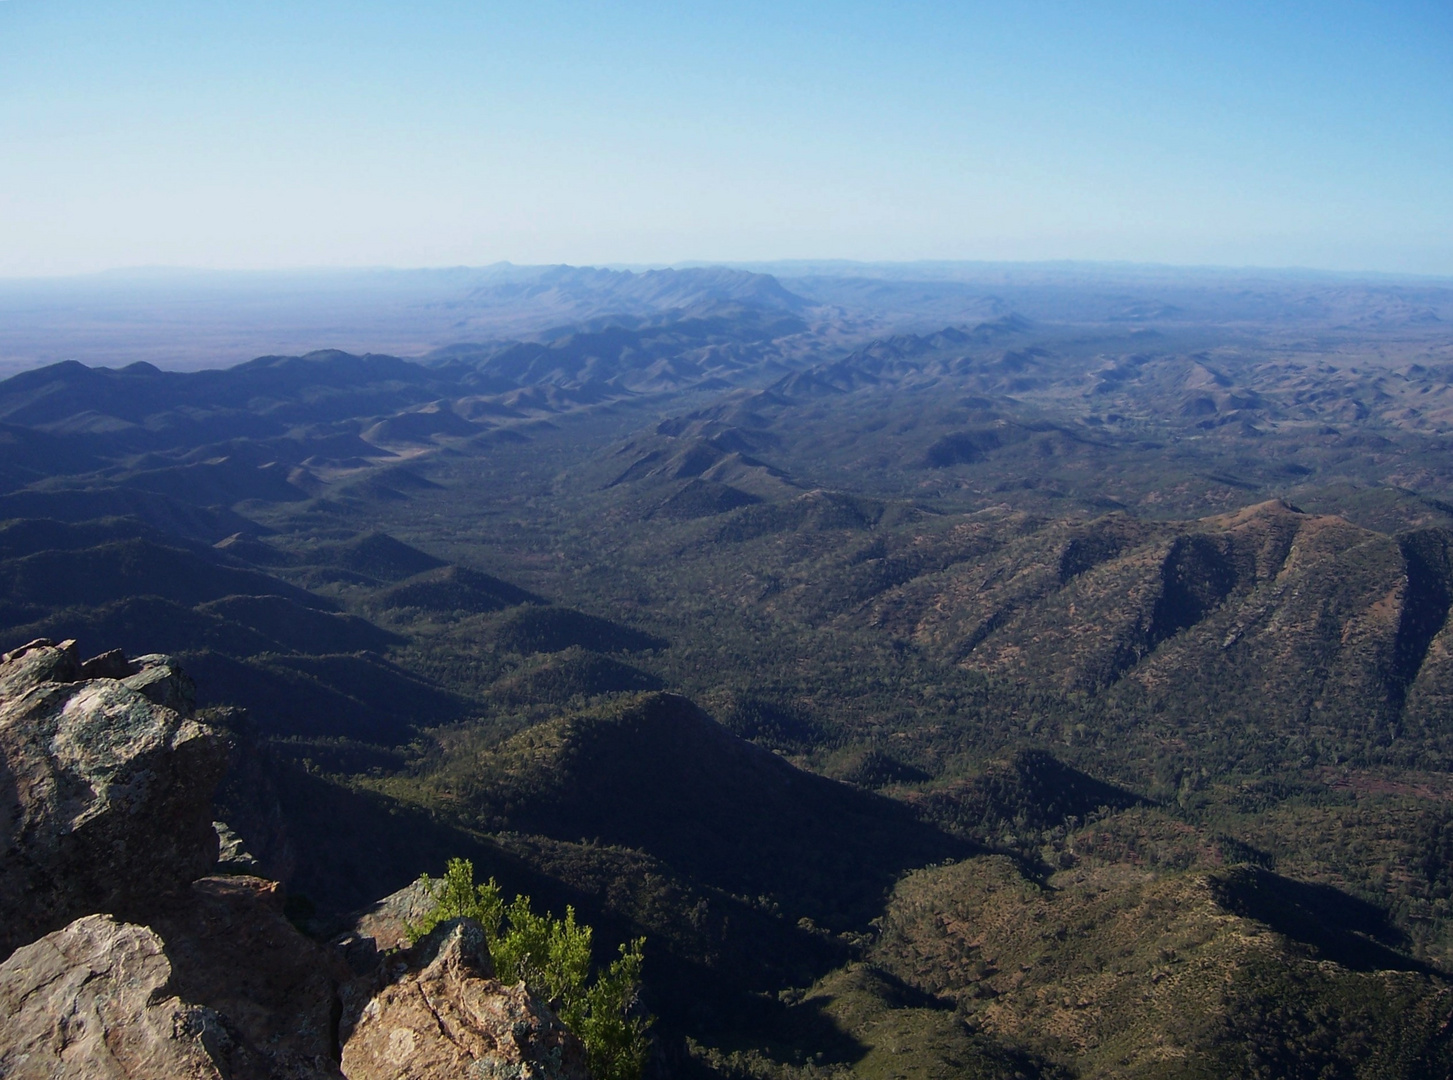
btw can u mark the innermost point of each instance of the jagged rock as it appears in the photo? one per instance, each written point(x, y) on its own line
point(105, 788)
point(105, 791)
point(35, 662)
point(445, 1015)
point(221, 985)
point(375, 946)
point(159, 681)
point(249, 800)
point(235, 953)
point(232, 854)
point(95, 1000)
point(109, 665)
point(386, 924)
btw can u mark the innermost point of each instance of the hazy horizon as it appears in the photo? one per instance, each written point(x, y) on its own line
point(928, 269)
point(270, 136)
point(185, 319)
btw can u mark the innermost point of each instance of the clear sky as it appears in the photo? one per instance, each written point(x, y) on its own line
point(310, 133)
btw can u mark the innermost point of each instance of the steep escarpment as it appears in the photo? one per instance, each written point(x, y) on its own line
point(1269, 618)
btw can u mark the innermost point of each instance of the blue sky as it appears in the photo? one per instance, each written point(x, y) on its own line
point(263, 134)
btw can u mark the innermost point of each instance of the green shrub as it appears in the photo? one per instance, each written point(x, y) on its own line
point(552, 957)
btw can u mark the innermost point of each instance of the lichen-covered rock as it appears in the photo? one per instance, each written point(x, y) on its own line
point(95, 1000)
point(445, 1015)
point(105, 788)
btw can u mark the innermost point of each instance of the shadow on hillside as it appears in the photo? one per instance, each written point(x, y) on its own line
point(662, 777)
point(714, 962)
point(361, 697)
point(1034, 789)
point(1341, 928)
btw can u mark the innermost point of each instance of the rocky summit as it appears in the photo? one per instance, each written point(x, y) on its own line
point(127, 960)
point(106, 795)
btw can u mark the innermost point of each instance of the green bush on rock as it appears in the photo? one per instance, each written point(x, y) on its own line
point(552, 957)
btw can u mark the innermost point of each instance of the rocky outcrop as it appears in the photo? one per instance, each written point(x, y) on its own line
point(445, 1015)
point(249, 801)
point(232, 854)
point(95, 1000)
point(384, 926)
point(234, 953)
point(105, 787)
point(220, 985)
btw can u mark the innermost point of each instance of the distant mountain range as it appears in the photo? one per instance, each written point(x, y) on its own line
point(203, 319)
point(958, 677)
point(584, 292)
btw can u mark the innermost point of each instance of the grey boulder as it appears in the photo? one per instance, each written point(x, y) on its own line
point(106, 787)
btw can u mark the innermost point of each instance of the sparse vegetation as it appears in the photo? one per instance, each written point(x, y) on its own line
point(552, 956)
